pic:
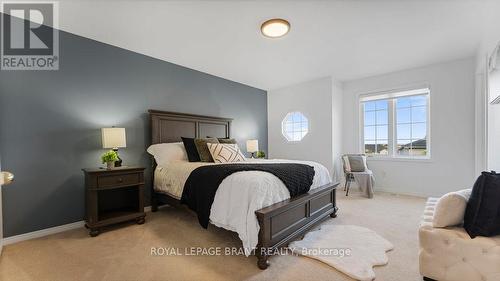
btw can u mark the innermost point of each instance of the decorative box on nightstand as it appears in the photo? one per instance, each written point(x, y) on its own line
point(113, 196)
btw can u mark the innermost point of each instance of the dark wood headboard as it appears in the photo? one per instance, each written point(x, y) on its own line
point(171, 126)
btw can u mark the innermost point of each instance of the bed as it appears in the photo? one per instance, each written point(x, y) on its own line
point(269, 220)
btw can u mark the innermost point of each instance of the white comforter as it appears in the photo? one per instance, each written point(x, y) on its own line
point(239, 195)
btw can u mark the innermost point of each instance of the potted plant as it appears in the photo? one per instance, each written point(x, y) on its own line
point(109, 158)
point(261, 154)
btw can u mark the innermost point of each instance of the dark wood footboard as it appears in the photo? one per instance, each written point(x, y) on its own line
point(285, 221)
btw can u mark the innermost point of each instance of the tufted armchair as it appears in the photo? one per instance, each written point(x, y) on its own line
point(449, 254)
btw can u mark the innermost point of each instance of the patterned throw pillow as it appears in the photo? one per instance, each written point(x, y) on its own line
point(225, 152)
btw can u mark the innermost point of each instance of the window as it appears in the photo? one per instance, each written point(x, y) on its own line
point(376, 123)
point(396, 124)
point(295, 126)
point(411, 126)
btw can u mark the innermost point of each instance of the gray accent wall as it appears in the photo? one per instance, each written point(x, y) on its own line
point(50, 122)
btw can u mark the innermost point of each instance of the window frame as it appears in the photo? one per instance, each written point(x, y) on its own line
point(283, 126)
point(391, 97)
point(388, 124)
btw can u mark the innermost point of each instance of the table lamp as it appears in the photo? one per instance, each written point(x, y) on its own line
point(114, 138)
point(252, 147)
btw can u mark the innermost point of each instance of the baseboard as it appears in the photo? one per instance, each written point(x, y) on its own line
point(148, 208)
point(42, 233)
point(52, 230)
point(378, 189)
point(394, 192)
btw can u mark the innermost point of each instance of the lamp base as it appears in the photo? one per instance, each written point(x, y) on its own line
point(253, 155)
point(119, 162)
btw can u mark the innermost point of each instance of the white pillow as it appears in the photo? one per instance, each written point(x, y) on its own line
point(450, 209)
point(164, 153)
point(225, 152)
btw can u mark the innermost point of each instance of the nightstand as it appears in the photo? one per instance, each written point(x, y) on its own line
point(113, 196)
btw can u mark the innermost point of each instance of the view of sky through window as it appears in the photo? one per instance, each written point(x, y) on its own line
point(376, 127)
point(295, 126)
point(407, 130)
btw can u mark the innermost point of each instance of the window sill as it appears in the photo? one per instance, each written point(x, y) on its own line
point(399, 159)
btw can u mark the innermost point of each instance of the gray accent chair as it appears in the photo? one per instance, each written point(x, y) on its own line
point(349, 175)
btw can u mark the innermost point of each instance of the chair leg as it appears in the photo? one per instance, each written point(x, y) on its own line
point(345, 185)
point(348, 186)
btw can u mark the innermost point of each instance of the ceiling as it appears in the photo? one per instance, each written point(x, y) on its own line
point(347, 39)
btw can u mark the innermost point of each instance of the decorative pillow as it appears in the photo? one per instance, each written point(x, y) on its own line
point(192, 152)
point(450, 209)
point(357, 163)
point(165, 153)
point(225, 152)
point(482, 216)
point(232, 141)
point(201, 146)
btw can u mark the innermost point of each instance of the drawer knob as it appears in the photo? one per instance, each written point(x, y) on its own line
point(120, 180)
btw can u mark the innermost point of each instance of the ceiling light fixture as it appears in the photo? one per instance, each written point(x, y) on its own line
point(275, 28)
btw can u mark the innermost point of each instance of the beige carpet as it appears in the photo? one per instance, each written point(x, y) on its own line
point(123, 253)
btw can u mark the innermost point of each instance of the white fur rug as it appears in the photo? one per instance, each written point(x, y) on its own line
point(351, 249)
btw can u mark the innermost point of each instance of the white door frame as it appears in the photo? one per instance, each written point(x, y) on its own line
point(1, 208)
point(2, 181)
point(1, 217)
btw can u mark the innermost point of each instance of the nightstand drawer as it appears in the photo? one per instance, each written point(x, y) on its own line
point(118, 180)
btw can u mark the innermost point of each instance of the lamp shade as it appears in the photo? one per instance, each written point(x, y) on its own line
point(252, 146)
point(113, 138)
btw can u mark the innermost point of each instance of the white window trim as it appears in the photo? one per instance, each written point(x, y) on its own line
point(283, 129)
point(393, 94)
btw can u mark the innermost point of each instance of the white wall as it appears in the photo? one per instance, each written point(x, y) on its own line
point(337, 116)
point(483, 136)
point(452, 165)
point(314, 99)
point(494, 122)
point(490, 89)
point(490, 38)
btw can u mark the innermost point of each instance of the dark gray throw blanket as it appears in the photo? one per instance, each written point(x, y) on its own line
point(203, 182)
